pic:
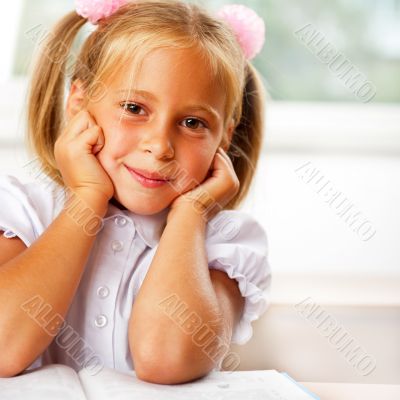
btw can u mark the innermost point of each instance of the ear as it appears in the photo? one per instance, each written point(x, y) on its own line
point(75, 99)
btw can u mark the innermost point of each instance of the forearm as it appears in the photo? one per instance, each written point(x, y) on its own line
point(179, 273)
point(46, 275)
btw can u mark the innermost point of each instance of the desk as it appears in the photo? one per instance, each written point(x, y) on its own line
point(353, 391)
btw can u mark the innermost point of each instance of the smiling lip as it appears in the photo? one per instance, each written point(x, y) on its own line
point(147, 182)
point(148, 175)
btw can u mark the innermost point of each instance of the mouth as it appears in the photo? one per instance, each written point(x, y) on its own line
point(154, 176)
point(148, 179)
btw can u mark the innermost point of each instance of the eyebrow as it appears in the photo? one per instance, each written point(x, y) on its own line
point(195, 107)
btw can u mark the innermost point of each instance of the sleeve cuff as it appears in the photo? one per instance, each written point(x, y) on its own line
point(256, 302)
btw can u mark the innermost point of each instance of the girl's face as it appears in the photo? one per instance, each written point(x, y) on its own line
point(163, 125)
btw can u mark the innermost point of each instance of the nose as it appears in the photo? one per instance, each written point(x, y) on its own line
point(157, 140)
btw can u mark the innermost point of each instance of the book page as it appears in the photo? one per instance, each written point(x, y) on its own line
point(53, 381)
point(217, 385)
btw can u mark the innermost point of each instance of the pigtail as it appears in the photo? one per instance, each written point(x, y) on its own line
point(248, 136)
point(46, 91)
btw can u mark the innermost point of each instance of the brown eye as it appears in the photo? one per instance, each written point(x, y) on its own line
point(193, 123)
point(131, 108)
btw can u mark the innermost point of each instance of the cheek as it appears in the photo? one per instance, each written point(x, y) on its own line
point(116, 141)
point(198, 165)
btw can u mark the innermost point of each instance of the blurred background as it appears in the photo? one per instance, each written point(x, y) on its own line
point(327, 185)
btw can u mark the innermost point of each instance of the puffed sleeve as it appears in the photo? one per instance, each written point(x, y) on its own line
point(237, 244)
point(26, 209)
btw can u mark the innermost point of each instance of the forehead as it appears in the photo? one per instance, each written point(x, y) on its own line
point(176, 75)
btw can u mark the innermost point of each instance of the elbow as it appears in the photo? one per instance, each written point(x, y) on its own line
point(166, 373)
point(157, 373)
point(164, 369)
point(9, 367)
point(6, 372)
point(12, 362)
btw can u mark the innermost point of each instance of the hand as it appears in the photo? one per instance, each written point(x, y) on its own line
point(219, 187)
point(75, 150)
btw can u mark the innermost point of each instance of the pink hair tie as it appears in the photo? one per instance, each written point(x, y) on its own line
point(249, 28)
point(94, 10)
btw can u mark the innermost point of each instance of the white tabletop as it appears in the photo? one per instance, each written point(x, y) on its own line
point(353, 391)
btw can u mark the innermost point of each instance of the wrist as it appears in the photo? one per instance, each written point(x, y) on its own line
point(188, 210)
point(205, 208)
point(86, 199)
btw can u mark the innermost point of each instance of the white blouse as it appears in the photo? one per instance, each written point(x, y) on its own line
point(95, 330)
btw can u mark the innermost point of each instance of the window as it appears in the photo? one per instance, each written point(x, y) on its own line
point(366, 33)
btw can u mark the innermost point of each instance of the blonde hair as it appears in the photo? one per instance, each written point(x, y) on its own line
point(128, 35)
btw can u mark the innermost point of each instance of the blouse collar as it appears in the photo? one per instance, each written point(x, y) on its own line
point(149, 227)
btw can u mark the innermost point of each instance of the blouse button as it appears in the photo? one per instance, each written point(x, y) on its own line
point(120, 221)
point(117, 245)
point(103, 292)
point(100, 320)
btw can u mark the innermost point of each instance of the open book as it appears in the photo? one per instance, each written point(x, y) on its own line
point(57, 381)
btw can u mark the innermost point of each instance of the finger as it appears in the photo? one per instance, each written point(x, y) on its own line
point(75, 126)
point(219, 164)
point(229, 167)
point(223, 153)
point(81, 121)
point(100, 142)
point(225, 156)
point(92, 137)
point(91, 119)
point(88, 118)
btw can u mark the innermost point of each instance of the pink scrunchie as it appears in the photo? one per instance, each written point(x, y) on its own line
point(94, 10)
point(249, 28)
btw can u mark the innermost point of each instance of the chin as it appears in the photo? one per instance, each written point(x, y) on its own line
point(140, 206)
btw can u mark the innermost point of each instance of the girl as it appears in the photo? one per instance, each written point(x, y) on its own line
point(134, 256)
